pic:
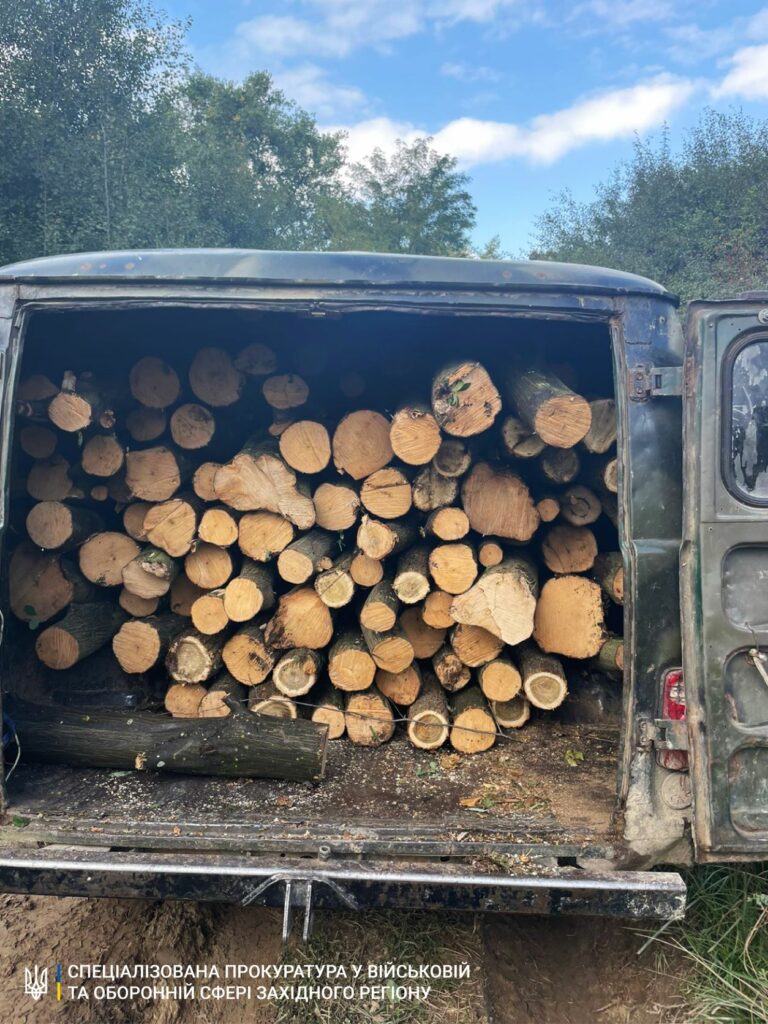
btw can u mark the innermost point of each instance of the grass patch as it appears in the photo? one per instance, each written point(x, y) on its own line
point(400, 937)
point(724, 940)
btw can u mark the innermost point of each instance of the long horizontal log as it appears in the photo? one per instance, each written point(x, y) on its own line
point(238, 746)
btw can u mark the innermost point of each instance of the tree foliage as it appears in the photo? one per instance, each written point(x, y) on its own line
point(110, 139)
point(414, 201)
point(695, 219)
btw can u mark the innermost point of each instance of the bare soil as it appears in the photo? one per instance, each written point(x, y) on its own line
point(524, 969)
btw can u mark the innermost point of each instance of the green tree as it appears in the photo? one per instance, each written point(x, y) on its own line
point(86, 90)
point(257, 171)
point(695, 219)
point(414, 201)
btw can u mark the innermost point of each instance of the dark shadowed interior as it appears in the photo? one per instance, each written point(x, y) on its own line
point(527, 791)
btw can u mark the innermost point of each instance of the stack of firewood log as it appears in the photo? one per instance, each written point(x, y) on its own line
point(433, 565)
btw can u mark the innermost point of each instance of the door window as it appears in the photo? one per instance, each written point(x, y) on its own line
point(746, 446)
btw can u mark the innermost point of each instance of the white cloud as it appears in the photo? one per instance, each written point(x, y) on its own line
point(469, 73)
point(748, 75)
point(692, 44)
point(621, 13)
point(311, 88)
point(334, 28)
point(376, 133)
point(616, 114)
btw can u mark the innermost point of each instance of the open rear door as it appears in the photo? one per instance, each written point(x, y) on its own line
point(724, 575)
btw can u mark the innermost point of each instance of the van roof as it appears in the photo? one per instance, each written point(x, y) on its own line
point(332, 268)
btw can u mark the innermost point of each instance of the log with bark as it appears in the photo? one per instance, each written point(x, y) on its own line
point(390, 650)
point(336, 586)
point(608, 571)
point(378, 539)
point(285, 391)
point(361, 444)
point(140, 644)
point(145, 424)
point(248, 655)
point(192, 426)
point(412, 583)
point(218, 526)
point(208, 613)
point(263, 535)
point(337, 506)
point(329, 711)
point(387, 493)
point(369, 718)
point(544, 681)
point(431, 490)
point(104, 555)
point(54, 526)
point(366, 571)
point(414, 434)
point(150, 574)
point(172, 524)
point(473, 728)
point(610, 658)
point(602, 432)
point(258, 479)
point(453, 567)
point(400, 687)
point(194, 657)
point(475, 646)
point(451, 671)
point(214, 379)
point(208, 566)
point(249, 593)
point(301, 620)
point(559, 416)
point(511, 714)
point(305, 446)
point(580, 506)
point(500, 680)
point(239, 746)
point(498, 503)
point(559, 465)
point(305, 557)
point(297, 671)
point(425, 640)
point(569, 549)
point(222, 695)
point(465, 401)
point(84, 629)
point(155, 474)
point(569, 617)
point(154, 383)
point(428, 716)
point(350, 664)
point(503, 600)
point(268, 700)
point(380, 609)
point(436, 611)
point(103, 455)
point(42, 584)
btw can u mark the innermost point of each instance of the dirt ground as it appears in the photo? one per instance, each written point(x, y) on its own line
point(523, 969)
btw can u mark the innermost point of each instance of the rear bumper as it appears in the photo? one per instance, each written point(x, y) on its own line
point(343, 884)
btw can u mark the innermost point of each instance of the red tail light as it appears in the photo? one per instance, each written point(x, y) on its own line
point(673, 708)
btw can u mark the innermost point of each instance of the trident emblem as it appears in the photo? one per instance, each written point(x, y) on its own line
point(35, 982)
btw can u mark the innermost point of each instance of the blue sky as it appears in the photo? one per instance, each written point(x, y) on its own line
point(531, 96)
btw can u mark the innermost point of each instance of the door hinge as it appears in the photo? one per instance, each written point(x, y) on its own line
point(654, 381)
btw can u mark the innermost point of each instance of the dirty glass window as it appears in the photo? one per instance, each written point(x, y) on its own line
point(749, 422)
